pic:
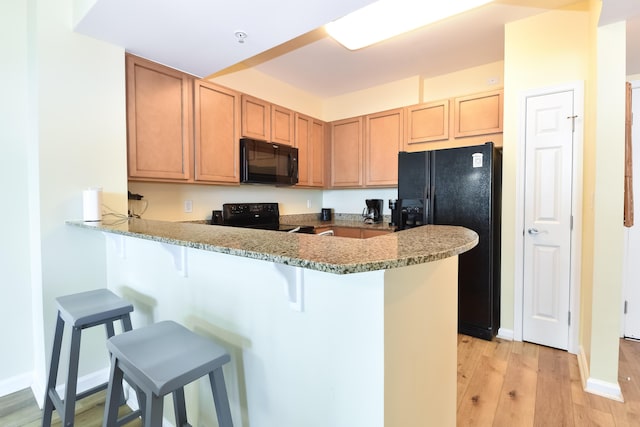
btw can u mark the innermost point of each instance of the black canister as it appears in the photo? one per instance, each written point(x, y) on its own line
point(216, 217)
point(325, 214)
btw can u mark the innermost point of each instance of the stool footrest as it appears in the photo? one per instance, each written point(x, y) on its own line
point(129, 417)
point(91, 391)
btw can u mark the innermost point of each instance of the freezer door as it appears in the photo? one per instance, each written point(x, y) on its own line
point(413, 175)
point(464, 187)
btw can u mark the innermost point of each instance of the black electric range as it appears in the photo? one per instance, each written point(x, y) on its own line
point(264, 216)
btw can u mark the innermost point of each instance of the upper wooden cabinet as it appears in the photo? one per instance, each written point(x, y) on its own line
point(216, 133)
point(309, 138)
point(159, 121)
point(428, 122)
point(346, 152)
point(267, 122)
point(384, 136)
point(256, 118)
point(282, 125)
point(478, 114)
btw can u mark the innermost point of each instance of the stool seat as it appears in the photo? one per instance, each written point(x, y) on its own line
point(160, 359)
point(166, 355)
point(92, 307)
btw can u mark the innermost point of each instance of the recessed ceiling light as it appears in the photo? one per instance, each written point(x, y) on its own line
point(388, 18)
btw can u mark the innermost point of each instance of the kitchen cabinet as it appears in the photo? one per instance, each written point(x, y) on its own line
point(352, 232)
point(282, 125)
point(267, 122)
point(366, 233)
point(346, 152)
point(428, 122)
point(309, 139)
point(347, 232)
point(256, 118)
point(384, 137)
point(159, 121)
point(478, 114)
point(216, 133)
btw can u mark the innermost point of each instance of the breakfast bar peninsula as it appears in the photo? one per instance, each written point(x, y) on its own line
point(322, 330)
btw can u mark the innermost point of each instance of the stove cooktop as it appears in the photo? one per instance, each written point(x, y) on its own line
point(263, 216)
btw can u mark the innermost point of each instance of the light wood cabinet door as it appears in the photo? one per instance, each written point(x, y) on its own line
point(310, 143)
point(319, 230)
point(478, 114)
point(159, 121)
point(428, 122)
point(256, 118)
point(346, 153)
point(347, 232)
point(216, 133)
point(366, 233)
point(303, 143)
point(317, 153)
point(384, 139)
point(282, 125)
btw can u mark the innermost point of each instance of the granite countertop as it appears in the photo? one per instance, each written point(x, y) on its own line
point(339, 255)
point(338, 220)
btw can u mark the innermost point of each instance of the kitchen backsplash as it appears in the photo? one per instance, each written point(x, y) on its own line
point(167, 201)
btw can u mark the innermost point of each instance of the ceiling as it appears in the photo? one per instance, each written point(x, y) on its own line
point(288, 43)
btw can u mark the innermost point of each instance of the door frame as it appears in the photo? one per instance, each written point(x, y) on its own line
point(576, 208)
point(635, 84)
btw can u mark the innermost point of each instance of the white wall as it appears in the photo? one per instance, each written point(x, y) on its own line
point(68, 111)
point(15, 291)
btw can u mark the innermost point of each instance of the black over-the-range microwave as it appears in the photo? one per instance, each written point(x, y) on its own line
point(268, 163)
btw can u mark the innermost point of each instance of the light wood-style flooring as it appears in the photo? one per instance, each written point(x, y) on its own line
point(514, 384)
point(500, 383)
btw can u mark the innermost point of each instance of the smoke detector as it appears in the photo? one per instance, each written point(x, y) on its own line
point(241, 36)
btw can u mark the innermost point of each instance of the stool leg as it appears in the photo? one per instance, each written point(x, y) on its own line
point(72, 379)
point(126, 322)
point(179, 407)
point(114, 390)
point(53, 372)
point(220, 398)
point(153, 410)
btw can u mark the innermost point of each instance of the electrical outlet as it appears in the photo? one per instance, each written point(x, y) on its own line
point(188, 206)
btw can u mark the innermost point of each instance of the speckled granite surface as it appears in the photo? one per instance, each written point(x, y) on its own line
point(339, 255)
point(339, 220)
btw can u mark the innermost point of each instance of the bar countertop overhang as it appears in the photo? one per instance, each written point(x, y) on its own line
point(338, 255)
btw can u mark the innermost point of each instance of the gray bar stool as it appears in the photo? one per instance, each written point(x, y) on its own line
point(81, 311)
point(160, 359)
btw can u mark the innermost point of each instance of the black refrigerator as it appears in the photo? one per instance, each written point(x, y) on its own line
point(460, 186)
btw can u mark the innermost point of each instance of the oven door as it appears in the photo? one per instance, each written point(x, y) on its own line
point(267, 163)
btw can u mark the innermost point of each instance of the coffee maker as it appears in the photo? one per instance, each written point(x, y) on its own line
point(373, 212)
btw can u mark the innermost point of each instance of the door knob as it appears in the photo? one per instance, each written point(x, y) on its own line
point(534, 231)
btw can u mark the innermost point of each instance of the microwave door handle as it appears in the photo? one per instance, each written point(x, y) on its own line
point(292, 167)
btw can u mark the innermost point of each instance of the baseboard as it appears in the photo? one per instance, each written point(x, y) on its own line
point(85, 382)
point(605, 389)
point(17, 383)
point(505, 334)
point(594, 386)
point(583, 367)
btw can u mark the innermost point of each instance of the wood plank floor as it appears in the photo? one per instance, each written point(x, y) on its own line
point(500, 383)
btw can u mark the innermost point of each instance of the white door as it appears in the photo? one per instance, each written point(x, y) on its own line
point(632, 254)
point(547, 219)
